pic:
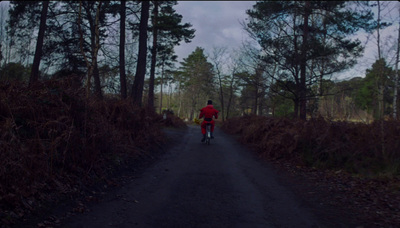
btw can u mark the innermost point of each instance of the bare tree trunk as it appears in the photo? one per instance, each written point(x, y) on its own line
point(161, 88)
point(217, 56)
point(138, 84)
point(303, 65)
point(170, 93)
point(150, 103)
point(89, 67)
point(255, 105)
point(296, 102)
point(228, 108)
point(221, 97)
point(378, 28)
point(122, 74)
point(39, 45)
point(193, 106)
point(8, 57)
point(380, 79)
point(380, 86)
point(396, 77)
point(95, 46)
point(180, 101)
point(97, 83)
point(2, 10)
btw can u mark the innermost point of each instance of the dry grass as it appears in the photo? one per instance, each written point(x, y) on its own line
point(355, 147)
point(52, 140)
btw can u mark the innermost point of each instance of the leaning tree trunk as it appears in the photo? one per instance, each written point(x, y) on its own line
point(39, 45)
point(138, 84)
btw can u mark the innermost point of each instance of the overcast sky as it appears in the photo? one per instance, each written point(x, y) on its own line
point(217, 23)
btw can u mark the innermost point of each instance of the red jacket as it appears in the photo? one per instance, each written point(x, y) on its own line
point(208, 112)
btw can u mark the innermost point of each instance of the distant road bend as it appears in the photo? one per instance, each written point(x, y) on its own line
point(198, 185)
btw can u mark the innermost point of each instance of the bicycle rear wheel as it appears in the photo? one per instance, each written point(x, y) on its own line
point(208, 134)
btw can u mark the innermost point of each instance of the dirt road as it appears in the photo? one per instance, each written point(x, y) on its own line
point(198, 185)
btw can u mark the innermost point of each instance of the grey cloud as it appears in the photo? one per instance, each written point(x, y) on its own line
point(216, 23)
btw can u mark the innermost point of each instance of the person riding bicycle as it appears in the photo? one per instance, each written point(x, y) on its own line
point(208, 112)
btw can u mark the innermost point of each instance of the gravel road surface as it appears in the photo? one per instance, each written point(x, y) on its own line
point(197, 185)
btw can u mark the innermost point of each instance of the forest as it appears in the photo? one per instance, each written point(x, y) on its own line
point(77, 77)
point(281, 76)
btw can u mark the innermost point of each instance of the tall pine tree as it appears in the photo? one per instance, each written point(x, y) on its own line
point(299, 34)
